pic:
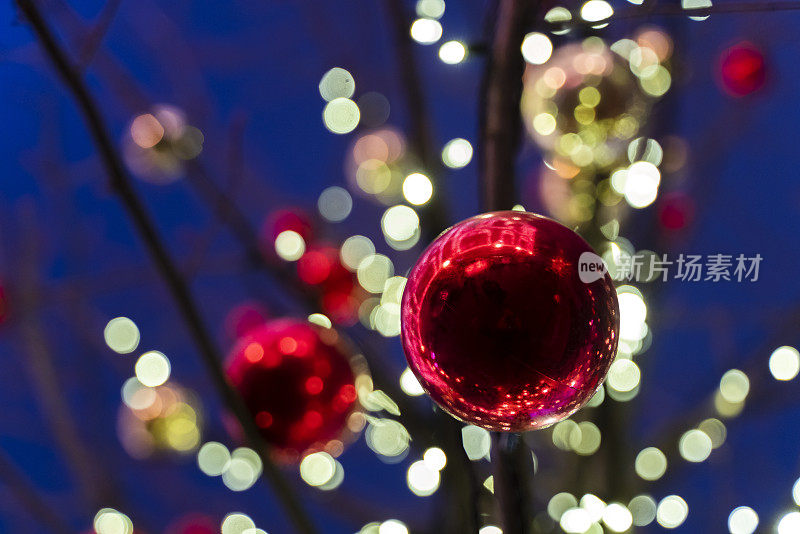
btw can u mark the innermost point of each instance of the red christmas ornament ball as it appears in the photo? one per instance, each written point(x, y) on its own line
point(742, 69)
point(499, 327)
point(298, 382)
point(193, 524)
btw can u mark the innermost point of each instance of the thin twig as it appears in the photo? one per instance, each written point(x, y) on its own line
point(29, 498)
point(95, 38)
point(96, 489)
point(433, 215)
point(121, 184)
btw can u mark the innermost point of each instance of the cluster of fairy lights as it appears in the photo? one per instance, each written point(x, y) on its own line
point(381, 168)
point(157, 414)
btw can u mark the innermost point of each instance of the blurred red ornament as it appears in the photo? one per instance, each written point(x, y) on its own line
point(298, 381)
point(742, 69)
point(290, 219)
point(193, 524)
point(498, 326)
point(317, 264)
point(675, 211)
point(3, 305)
point(340, 294)
point(244, 317)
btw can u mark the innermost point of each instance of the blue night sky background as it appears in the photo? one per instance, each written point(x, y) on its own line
point(258, 65)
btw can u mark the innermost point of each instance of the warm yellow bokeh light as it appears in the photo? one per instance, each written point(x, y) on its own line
point(695, 446)
point(742, 520)
point(651, 464)
point(784, 363)
point(121, 335)
point(617, 517)
point(422, 479)
point(341, 115)
point(457, 153)
point(435, 458)
point(476, 441)
point(596, 10)
point(237, 523)
point(373, 272)
point(672, 511)
point(152, 368)
point(734, 386)
point(317, 469)
point(536, 48)
point(426, 31)
point(337, 83)
point(417, 189)
point(213, 458)
point(452, 52)
point(289, 245)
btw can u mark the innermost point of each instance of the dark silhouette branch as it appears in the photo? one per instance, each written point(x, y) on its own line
point(121, 184)
point(501, 131)
point(29, 498)
point(501, 90)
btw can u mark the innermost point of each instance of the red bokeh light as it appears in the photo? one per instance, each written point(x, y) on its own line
point(742, 69)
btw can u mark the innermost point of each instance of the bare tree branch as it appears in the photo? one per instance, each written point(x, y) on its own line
point(500, 121)
point(29, 498)
point(121, 184)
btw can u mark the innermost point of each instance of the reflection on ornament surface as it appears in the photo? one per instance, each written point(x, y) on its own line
point(498, 327)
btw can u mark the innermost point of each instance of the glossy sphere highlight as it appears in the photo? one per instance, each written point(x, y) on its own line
point(498, 327)
point(297, 382)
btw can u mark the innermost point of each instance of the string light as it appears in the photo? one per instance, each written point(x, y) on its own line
point(121, 335)
point(417, 189)
point(152, 368)
point(457, 153)
point(784, 363)
point(452, 52)
point(536, 48)
point(672, 511)
point(426, 31)
point(742, 520)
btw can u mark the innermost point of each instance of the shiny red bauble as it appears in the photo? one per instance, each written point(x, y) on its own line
point(499, 327)
point(742, 69)
point(298, 382)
